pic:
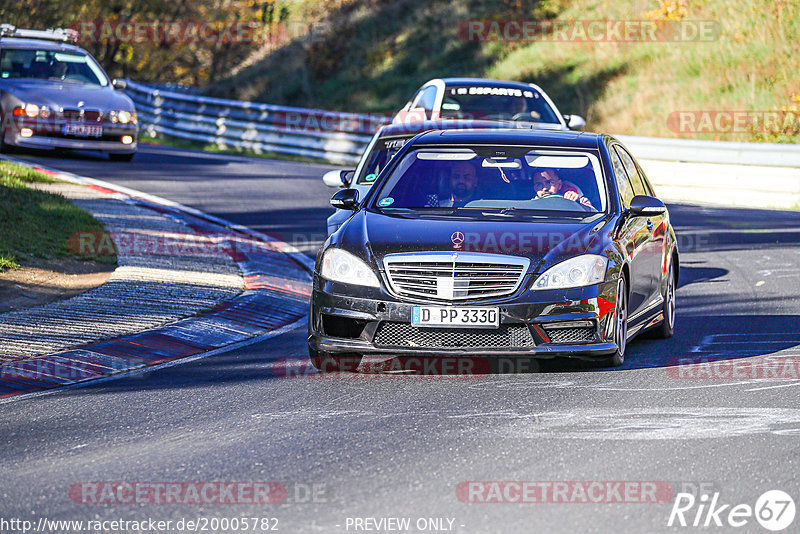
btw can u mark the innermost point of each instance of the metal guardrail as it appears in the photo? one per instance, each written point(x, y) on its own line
point(726, 152)
point(334, 136)
point(341, 137)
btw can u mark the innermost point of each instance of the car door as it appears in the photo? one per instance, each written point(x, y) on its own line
point(656, 225)
point(633, 237)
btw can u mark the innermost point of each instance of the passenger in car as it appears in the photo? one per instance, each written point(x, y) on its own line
point(547, 182)
point(463, 187)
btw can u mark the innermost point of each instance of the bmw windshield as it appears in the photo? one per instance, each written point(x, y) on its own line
point(469, 179)
point(50, 65)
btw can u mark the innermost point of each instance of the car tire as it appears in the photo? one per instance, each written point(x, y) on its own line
point(121, 157)
point(667, 327)
point(620, 325)
point(338, 363)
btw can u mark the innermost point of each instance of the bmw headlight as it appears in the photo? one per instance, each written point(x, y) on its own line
point(341, 266)
point(580, 271)
point(32, 110)
point(123, 117)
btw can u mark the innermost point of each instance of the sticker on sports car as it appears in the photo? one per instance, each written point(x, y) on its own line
point(395, 144)
point(370, 177)
point(388, 201)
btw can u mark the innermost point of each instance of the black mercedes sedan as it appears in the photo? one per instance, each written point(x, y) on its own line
point(496, 243)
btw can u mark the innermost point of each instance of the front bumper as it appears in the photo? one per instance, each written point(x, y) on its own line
point(48, 136)
point(348, 319)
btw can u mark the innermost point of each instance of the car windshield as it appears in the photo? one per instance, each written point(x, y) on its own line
point(382, 152)
point(497, 103)
point(537, 180)
point(50, 65)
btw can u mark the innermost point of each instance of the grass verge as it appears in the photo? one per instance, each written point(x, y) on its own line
point(37, 223)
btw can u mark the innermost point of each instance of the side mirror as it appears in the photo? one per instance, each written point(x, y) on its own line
point(575, 122)
point(346, 199)
point(118, 83)
point(338, 178)
point(645, 206)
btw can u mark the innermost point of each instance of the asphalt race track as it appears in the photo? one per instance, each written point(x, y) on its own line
point(398, 447)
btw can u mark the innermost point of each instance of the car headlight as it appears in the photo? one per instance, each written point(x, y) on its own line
point(341, 266)
point(580, 271)
point(124, 117)
point(32, 110)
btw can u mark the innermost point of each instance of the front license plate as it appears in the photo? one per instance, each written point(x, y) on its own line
point(455, 317)
point(82, 130)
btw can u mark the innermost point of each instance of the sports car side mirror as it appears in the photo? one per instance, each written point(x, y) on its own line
point(645, 206)
point(346, 199)
point(575, 122)
point(119, 83)
point(338, 178)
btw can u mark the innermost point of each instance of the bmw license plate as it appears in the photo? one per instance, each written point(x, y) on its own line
point(456, 317)
point(82, 130)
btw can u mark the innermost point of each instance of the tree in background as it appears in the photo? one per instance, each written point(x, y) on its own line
point(193, 55)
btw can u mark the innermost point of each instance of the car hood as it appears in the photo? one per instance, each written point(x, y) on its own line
point(67, 95)
point(544, 242)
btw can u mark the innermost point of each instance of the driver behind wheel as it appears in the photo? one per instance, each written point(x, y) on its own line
point(547, 182)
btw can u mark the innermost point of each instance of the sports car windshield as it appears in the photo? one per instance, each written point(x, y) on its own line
point(383, 151)
point(497, 103)
point(539, 180)
point(50, 65)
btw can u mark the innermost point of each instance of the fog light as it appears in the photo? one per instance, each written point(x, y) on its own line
point(26, 132)
point(127, 139)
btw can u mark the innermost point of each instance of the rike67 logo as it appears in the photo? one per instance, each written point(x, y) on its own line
point(774, 510)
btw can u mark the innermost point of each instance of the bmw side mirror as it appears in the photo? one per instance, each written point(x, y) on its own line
point(338, 178)
point(575, 122)
point(119, 83)
point(645, 206)
point(346, 199)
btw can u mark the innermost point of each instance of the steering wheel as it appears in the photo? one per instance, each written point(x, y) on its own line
point(558, 202)
point(524, 116)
